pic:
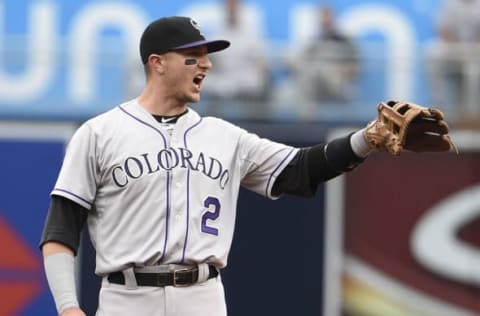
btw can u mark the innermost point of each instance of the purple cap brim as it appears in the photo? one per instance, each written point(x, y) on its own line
point(212, 46)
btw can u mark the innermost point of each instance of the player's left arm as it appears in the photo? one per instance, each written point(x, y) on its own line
point(321, 163)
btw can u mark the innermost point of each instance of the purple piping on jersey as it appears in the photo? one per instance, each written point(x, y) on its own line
point(167, 218)
point(271, 176)
point(73, 194)
point(145, 123)
point(188, 190)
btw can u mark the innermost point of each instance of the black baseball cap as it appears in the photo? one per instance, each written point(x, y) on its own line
point(173, 33)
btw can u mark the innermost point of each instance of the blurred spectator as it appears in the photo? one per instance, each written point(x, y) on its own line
point(454, 59)
point(241, 73)
point(326, 68)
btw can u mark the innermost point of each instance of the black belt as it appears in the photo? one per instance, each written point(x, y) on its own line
point(180, 277)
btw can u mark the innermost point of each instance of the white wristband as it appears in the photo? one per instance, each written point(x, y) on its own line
point(359, 144)
point(59, 269)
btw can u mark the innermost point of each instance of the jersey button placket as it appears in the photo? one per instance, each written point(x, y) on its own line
point(178, 229)
point(178, 215)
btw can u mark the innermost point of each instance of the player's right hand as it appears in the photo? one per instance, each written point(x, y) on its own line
point(73, 311)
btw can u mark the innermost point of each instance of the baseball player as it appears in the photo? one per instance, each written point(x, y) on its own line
point(157, 185)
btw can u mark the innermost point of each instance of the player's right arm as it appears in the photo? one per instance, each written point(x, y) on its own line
point(52, 250)
point(67, 214)
point(59, 244)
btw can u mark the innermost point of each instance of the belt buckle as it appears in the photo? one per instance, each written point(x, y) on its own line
point(175, 284)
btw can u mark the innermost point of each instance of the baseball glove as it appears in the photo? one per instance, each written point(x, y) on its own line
point(408, 126)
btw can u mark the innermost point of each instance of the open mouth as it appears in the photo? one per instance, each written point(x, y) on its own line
point(197, 80)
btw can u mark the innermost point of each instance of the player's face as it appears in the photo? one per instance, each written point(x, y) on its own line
point(187, 69)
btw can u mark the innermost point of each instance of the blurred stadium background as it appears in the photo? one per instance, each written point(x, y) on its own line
point(398, 236)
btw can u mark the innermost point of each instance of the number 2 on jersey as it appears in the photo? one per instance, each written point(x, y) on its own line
point(210, 215)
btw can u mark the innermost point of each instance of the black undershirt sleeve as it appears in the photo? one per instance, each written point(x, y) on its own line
point(64, 223)
point(314, 165)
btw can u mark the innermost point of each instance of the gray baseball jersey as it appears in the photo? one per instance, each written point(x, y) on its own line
point(164, 195)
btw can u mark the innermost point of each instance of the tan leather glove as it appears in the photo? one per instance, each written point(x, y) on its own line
point(408, 126)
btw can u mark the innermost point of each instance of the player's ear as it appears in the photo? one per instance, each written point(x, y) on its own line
point(156, 63)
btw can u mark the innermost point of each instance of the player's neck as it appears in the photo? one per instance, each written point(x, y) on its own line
point(158, 105)
point(169, 119)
